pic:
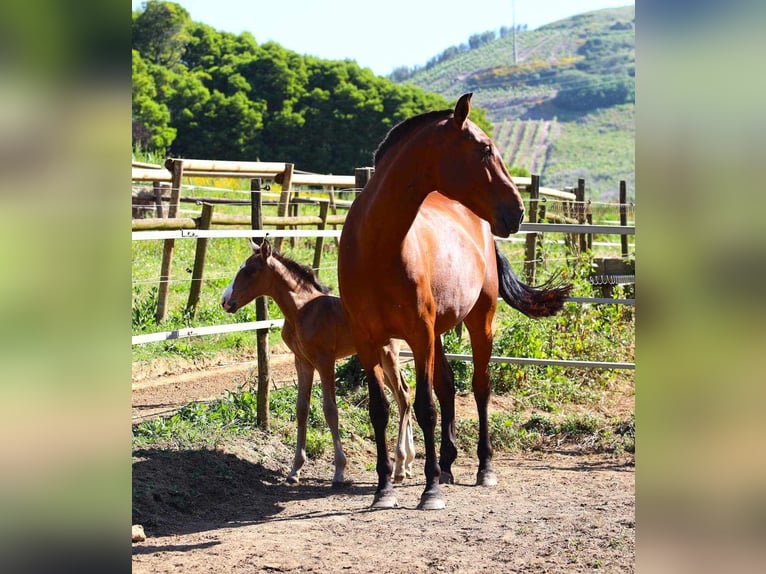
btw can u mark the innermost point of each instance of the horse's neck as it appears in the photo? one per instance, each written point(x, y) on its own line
point(289, 293)
point(393, 205)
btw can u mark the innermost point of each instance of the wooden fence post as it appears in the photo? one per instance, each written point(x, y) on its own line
point(623, 217)
point(530, 263)
point(580, 207)
point(324, 207)
point(167, 248)
point(159, 188)
point(261, 314)
point(362, 176)
point(589, 220)
point(542, 217)
point(199, 261)
point(284, 200)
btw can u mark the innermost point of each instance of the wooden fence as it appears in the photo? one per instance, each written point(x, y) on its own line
point(572, 219)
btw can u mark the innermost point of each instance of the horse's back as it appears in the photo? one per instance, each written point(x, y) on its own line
point(324, 328)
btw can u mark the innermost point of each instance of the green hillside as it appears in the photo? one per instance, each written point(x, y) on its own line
point(565, 109)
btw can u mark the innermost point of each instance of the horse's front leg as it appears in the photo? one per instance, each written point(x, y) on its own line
point(326, 367)
point(444, 386)
point(405, 444)
point(425, 412)
point(379, 413)
point(302, 404)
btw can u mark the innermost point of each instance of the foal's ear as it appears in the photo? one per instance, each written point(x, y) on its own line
point(462, 109)
point(265, 249)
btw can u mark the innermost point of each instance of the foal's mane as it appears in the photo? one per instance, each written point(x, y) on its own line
point(303, 273)
point(402, 129)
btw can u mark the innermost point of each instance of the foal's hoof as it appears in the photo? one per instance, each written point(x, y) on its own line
point(383, 501)
point(486, 478)
point(340, 484)
point(446, 478)
point(398, 478)
point(292, 480)
point(431, 501)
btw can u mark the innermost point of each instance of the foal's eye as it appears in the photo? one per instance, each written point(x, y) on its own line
point(486, 154)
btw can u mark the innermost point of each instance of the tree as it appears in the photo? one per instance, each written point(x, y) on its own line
point(582, 91)
point(160, 32)
point(151, 118)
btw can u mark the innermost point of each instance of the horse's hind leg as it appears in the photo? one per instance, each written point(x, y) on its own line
point(405, 444)
point(330, 407)
point(479, 325)
point(444, 386)
point(379, 413)
point(425, 412)
point(302, 403)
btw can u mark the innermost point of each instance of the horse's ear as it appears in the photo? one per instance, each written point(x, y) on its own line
point(462, 109)
point(265, 249)
point(253, 245)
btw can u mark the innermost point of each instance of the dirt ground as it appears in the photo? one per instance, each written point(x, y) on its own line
point(228, 509)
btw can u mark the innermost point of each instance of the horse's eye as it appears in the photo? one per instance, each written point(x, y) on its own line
point(486, 154)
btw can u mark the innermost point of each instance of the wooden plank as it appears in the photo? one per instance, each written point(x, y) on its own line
point(157, 223)
point(323, 180)
point(146, 174)
point(209, 330)
point(227, 166)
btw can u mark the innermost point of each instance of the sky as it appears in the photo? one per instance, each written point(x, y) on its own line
point(404, 33)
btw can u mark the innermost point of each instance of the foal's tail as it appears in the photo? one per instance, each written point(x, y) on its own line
point(541, 301)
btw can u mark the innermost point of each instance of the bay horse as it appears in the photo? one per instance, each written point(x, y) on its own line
point(316, 330)
point(417, 256)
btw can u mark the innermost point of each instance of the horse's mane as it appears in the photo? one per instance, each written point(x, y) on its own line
point(303, 273)
point(402, 129)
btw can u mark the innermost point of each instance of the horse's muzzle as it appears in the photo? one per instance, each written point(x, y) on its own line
point(228, 306)
point(507, 225)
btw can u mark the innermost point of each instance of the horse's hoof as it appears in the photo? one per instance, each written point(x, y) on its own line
point(486, 478)
point(292, 480)
point(398, 478)
point(431, 502)
point(446, 478)
point(340, 484)
point(383, 501)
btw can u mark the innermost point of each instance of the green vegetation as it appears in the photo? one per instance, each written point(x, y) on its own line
point(198, 92)
point(567, 74)
point(216, 95)
point(542, 406)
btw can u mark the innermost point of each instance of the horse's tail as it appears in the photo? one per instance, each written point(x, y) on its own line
point(540, 301)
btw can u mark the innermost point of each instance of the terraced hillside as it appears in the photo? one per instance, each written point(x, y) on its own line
point(564, 109)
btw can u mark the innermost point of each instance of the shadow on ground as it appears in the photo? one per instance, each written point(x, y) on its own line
point(184, 491)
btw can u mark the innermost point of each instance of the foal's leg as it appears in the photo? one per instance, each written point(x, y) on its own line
point(326, 368)
point(405, 444)
point(444, 386)
point(302, 403)
point(480, 327)
point(379, 413)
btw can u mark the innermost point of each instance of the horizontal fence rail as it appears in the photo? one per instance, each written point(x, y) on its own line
point(268, 324)
point(525, 228)
point(539, 362)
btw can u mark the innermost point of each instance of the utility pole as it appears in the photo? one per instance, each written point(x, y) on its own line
point(513, 4)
